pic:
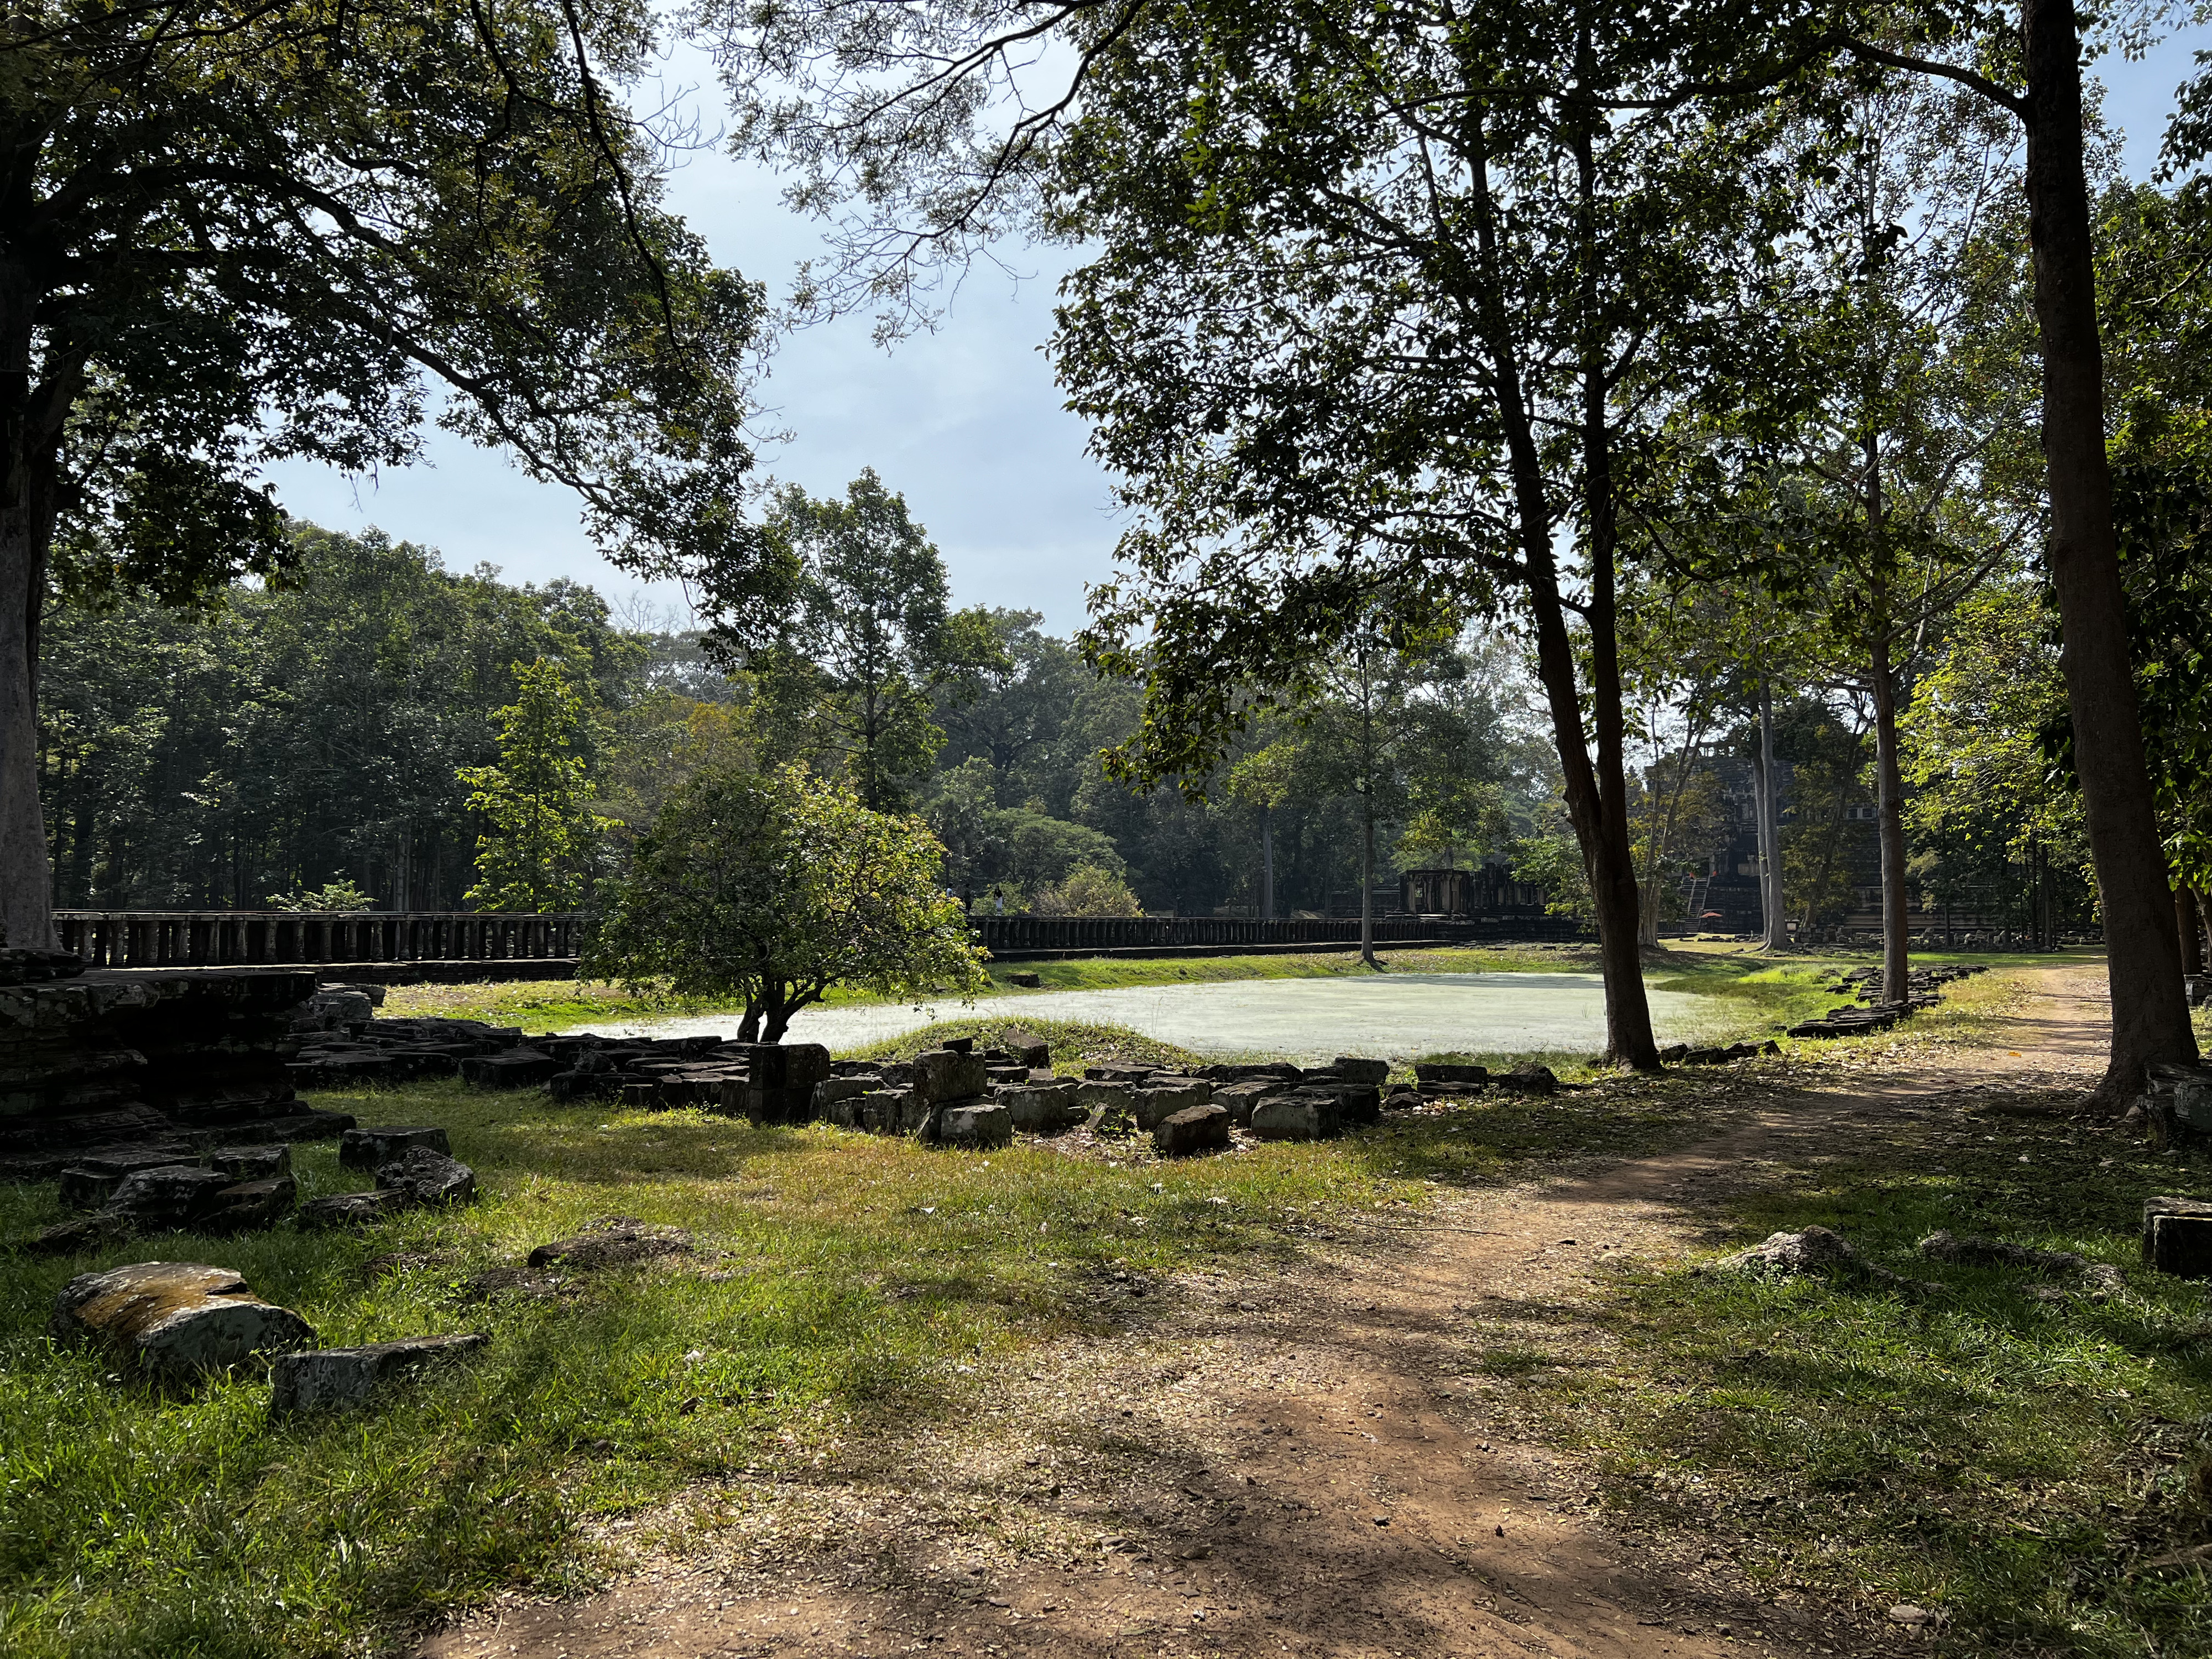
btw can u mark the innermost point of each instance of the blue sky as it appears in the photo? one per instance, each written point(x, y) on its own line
point(966, 422)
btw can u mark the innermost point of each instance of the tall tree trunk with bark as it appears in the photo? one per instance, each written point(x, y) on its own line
point(1889, 813)
point(1770, 828)
point(2150, 1017)
point(30, 439)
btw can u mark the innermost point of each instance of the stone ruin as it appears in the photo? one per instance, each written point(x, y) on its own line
point(1870, 1013)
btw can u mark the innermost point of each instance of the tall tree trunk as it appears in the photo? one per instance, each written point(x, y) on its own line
point(2150, 1017)
point(1770, 828)
point(1267, 864)
point(27, 914)
point(1367, 875)
point(1652, 892)
point(1889, 812)
point(1605, 856)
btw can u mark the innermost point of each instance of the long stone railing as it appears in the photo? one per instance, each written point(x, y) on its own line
point(198, 938)
point(1013, 937)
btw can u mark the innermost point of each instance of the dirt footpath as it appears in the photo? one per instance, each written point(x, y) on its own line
point(1306, 1463)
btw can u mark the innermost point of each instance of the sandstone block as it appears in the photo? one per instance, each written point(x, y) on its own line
point(174, 1195)
point(252, 1162)
point(1040, 1109)
point(1529, 1080)
point(944, 1075)
point(2177, 1237)
point(1030, 1049)
point(1238, 1099)
point(174, 1321)
point(336, 1379)
point(373, 1148)
point(355, 1209)
point(1094, 1096)
point(1447, 1074)
point(1192, 1129)
point(975, 1125)
point(613, 1243)
point(247, 1205)
point(512, 1069)
point(1294, 1117)
point(428, 1177)
point(1353, 1069)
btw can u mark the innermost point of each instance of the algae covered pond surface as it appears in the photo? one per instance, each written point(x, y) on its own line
point(1392, 1016)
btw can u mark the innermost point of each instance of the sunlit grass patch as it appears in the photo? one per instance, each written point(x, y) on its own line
point(2033, 1469)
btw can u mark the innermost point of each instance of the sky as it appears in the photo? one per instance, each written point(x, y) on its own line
point(966, 422)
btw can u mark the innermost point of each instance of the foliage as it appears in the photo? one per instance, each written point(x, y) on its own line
point(1991, 812)
point(772, 887)
point(331, 896)
point(285, 738)
point(846, 678)
point(538, 853)
point(1090, 889)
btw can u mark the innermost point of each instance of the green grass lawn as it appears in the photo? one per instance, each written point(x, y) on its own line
point(845, 1282)
point(2038, 1471)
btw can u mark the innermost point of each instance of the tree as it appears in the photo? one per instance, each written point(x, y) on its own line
point(233, 236)
point(537, 854)
point(2038, 81)
point(853, 669)
point(774, 886)
point(1090, 889)
point(1261, 780)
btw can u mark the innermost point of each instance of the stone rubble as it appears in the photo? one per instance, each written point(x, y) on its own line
point(339, 1379)
point(173, 1322)
point(1924, 985)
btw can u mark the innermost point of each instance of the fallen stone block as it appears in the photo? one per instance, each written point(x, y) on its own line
point(1192, 1129)
point(1447, 1074)
point(985, 1124)
point(1675, 1054)
point(1026, 1047)
point(176, 1195)
point(1040, 1109)
point(1158, 1099)
point(355, 1209)
point(252, 1163)
point(514, 1068)
point(246, 1206)
point(1095, 1097)
point(428, 1177)
point(948, 1075)
point(1353, 1069)
point(173, 1321)
point(614, 1243)
point(2177, 1103)
point(2177, 1237)
point(373, 1148)
point(1295, 1117)
point(1529, 1080)
point(832, 1090)
point(338, 1379)
point(1814, 1251)
point(1239, 1099)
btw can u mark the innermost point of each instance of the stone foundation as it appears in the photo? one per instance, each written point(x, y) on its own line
point(181, 1060)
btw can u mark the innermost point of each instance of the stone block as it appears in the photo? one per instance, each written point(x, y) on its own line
point(247, 1205)
point(512, 1069)
point(1295, 1117)
point(252, 1163)
point(173, 1321)
point(780, 1064)
point(428, 1177)
point(2177, 1237)
point(355, 1209)
point(1192, 1129)
point(1529, 1080)
point(945, 1074)
point(1104, 1097)
point(831, 1091)
point(373, 1148)
point(614, 1243)
point(881, 1111)
point(178, 1196)
point(1030, 1049)
point(1353, 1069)
point(1040, 1109)
point(1446, 1074)
point(1238, 1099)
point(81, 1189)
point(2177, 1103)
point(984, 1125)
point(339, 1379)
point(1158, 1099)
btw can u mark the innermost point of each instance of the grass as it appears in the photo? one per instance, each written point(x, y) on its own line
point(845, 1286)
point(2036, 1471)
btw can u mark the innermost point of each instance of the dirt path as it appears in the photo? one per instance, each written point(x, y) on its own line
point(1313, 1463)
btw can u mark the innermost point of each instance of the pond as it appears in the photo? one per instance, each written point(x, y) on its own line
point(1390, 1016)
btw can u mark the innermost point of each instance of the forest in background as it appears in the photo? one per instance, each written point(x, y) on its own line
point(314, 734)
